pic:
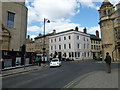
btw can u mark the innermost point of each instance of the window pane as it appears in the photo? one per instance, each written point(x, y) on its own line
point(64, 46)
point(59, 39)
point(69, 54)
point(69, 37)
point(69, 46)
point(78, 54)
point(55, 39)
point(10, 19)
point(59, 47)
point(64, 38)
point(55, 47)
point(75, 54)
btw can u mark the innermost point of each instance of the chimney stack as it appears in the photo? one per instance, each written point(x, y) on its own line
point(97, 33)
point(39, 34)
point(85, 30)
point(54, 31)
point(76, 28)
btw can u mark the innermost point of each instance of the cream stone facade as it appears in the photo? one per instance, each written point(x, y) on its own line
point(110, 29)
point(39, 42)
point(13, 22)
point(95, 47)
point(30, 45)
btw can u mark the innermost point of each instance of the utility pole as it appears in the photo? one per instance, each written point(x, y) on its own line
point(48, 21)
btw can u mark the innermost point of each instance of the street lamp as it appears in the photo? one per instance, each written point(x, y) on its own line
point(48, 21)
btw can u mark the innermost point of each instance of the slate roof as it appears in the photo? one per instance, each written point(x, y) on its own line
point(104, 4)
point(94, 37)
point(41, 36)
point(70, 31)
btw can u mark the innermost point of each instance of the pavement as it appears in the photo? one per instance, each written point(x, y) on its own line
point(22, 70)
point(97, 79)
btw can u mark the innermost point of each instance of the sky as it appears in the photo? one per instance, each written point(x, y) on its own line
point(63, 15)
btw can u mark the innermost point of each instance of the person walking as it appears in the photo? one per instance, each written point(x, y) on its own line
point(40, 60)
point(37, 60)
point(108, 62)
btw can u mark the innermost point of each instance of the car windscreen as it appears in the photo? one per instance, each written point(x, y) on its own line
point(55, 60)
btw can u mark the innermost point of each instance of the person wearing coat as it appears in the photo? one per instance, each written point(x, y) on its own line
point(36, 60)
point(108, 62)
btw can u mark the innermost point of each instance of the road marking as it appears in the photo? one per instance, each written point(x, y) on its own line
point(22, 72)
point(75, 81)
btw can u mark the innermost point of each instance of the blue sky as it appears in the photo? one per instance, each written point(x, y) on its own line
point(63, 14)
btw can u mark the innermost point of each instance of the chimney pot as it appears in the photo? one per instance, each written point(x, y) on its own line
point(97, 33)
point(54, 31)
point(76, 28)
point(85, 30)
point(39, 34)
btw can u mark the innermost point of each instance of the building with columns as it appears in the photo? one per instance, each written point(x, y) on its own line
point(71, 44)
point(110, 29)
point(13, 25)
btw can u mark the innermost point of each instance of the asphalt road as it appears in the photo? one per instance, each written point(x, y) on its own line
point(53, 77)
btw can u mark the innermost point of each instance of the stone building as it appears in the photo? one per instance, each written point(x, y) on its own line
point(95, 46)
point(110, 29)
point(13, 22)
point(40, 44)
point(30, 45)
point(71, 44)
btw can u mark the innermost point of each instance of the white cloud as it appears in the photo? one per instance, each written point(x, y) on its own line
point(33, 36)
point(91, 3)
point(92, 30)
point(59, 11)
point(34, 29)
point(53, 9)
point(59, 25)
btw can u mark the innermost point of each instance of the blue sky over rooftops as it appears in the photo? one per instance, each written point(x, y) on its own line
point(63, 14)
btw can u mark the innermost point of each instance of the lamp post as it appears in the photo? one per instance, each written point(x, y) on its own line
point(48, 21)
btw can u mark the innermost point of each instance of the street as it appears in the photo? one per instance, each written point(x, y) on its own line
point(56, 77)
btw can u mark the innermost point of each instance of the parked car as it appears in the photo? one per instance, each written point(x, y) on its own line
point(55, 62)
point(68, 59)
point(100, 58)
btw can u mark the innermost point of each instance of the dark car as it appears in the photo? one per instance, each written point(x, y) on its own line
point(68, 59)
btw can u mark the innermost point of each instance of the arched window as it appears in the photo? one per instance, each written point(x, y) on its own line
point(104, 12)
point(109, 12)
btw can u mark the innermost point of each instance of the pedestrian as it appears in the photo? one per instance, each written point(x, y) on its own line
point(108, 62)
point(36, 60)
point(40, 60)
